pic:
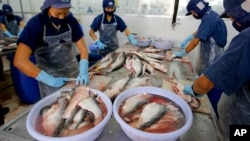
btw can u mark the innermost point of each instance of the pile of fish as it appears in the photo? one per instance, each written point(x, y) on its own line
point(152, 113)
point(74, 112)
point(138, 64)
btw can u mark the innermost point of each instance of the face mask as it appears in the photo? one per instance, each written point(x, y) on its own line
point(57, 21)
point(197, 17)
point(238, 28)
point(109, 13)
point(10, 17)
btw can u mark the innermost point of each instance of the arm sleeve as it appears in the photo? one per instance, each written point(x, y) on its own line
point(120, 24)
point(95, 25)
point(77, 32)
point(205, 30)
point(231, 71)
point(32, 35)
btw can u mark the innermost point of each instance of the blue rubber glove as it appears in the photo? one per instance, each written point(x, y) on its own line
point(183, 44)
point(83, 77)
point(180, 53)
point(100, 44)
point(188, 90)
point(50, 80)
point(20, 31)
point(132, 40)
point(9, 34)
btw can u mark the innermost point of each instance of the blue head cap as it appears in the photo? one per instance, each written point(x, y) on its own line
point(56, 4)
point(239, 10)
point(7, 9)
point(108, 3)
point(199, 6)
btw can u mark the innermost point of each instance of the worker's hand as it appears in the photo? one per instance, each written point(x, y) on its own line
point(20, 31)
point(132, 40)
point(188, 90)
point(9, 34)
point(50, 80)
point(184, 43)
point(180, 53)
point(83, 77)
point(100, 44)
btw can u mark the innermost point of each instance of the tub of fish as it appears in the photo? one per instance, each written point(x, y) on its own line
point(143, 41)
point(152, 114)
point(76, 114)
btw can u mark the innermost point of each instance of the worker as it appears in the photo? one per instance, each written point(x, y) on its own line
point(212, 36)
point(11, 25)
point(230, 72)
point(108, 24)
point(50, 36)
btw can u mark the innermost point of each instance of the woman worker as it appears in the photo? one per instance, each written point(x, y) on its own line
point(107, 24)
point(230, 72)
point(50, 36)
point(212, 36)
point(11, 25)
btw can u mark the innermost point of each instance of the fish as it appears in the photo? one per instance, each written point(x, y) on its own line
point(134, 102)
point(137, 82)
point(149, 68)
point(102, 65)
point(52, 122)
point(107, 57)
point(159, 66)
point(153, 55)
point(152, 50)
point(150, 114)
point(80, 93)
point(117, 63)
point(77, 119)
point(116, 87)
point(90, 105)
point(136, 66)
point(128, 62)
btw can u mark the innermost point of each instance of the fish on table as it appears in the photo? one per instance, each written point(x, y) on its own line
point(116, 87)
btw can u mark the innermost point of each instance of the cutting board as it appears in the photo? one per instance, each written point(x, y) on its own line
point(99, 82)
point(204, 108)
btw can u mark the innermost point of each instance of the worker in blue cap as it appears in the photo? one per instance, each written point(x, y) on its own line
point(211, 34)
point(52, 36)
point(230, 72)
point(11, 25)
point(108, 24)
point(211, 37)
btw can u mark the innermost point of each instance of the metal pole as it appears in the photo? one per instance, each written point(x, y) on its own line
point(21, 6)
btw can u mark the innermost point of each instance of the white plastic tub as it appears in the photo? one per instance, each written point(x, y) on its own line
point(89, 135)
point(139, 135)
point(165, 44)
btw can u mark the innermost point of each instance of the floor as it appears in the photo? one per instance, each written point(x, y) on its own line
point(8, 96)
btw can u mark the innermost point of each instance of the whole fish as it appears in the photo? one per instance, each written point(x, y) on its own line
point(90, 105)
point(118, 62)
point(159, 66)
point(134, 102)
point(153, 55)
point(152, 50)
point(136, 66)
point(80, 93)
point(137, 82)
point(52, 123)
point(150, 114)
point(107, 57)
point(103, 65)
point(116, 87)
point(128, 62)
